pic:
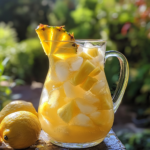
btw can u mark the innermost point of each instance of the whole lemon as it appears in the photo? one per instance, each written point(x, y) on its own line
point(20, 129)
point(15, 106)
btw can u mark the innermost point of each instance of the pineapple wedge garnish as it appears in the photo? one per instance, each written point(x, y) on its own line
point(66, 111)
point(54, 38)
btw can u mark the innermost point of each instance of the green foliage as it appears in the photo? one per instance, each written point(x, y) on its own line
point(24, 14)
point(89, 19)
point(5, 91)
point(135, 141)
point(23, 55)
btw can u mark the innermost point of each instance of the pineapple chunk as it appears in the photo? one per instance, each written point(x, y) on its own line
point(105, 101)
point(66, 112)
point(88, 83)
point(95, 72)
point(85, 56)
point(93, 52)
point(83, 72)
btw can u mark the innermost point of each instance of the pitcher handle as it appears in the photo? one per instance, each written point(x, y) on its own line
point(123, 78)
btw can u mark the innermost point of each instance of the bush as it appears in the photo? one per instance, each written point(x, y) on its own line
point(5, 91)
point(135, 141)
point(26, 58)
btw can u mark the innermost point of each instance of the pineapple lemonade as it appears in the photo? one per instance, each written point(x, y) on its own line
point(76, 104)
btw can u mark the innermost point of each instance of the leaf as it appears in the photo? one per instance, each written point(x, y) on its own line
point(1, 68)
point(8, 91)
point(4, 78)
point(5, 61)
point(19, 82)
point(141, 99)
point(84, 15)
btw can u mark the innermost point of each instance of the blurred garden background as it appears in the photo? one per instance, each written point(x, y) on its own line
point(125, 24)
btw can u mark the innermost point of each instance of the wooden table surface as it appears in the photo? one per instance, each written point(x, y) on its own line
point(111, 142)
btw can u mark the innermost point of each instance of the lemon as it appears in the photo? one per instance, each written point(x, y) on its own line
point(15, 106)
point(20, 129)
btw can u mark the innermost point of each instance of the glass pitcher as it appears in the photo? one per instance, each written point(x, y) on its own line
point(76, 109)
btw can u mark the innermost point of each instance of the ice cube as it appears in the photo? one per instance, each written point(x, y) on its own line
point(98, 118)
point(84, 107)
point(98, 60)
point(82, 120)
point(53, 76)
point(102, 49)
point(97, 87)
point(102, 117)
point(101, 76)
point(80, 49)
point(104, 90)
point(62, 70)
point(87, 45)
point(90, 98)
point(44, 96)
point(75, 63)
point(53, 99)
point(72, 91)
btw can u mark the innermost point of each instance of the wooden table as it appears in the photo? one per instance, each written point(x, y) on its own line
point(111, 142)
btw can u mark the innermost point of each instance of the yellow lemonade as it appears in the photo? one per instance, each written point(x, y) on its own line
point(76, 104)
